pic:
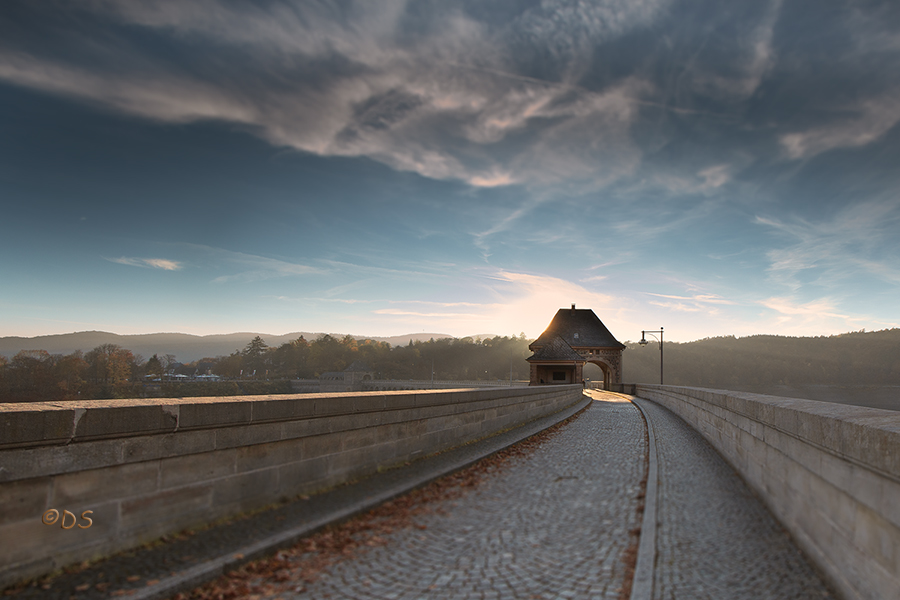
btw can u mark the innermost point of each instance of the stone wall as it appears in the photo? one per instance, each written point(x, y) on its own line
point(829, 472)
point(149, 467)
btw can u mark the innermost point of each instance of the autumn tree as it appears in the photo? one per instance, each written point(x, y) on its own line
point(110, 369)
point(254, 355)
point(291, 359)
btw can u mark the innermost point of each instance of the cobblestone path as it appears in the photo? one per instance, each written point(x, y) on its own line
point(715, 539)
point(554, 525)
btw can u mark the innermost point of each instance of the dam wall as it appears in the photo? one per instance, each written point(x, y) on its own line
point(829, 472)
point(145, 468)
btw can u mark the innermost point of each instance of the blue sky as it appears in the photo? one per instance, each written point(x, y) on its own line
point(390, 167)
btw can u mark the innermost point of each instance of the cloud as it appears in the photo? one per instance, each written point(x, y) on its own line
point(698, 298)
point(871, 119)
point(512, 302)
point(242, 266)
point(750, 48)
point(705, 303)
point(152, 263)
point(816, 309)
point(441, 100)
point(444, 315)
point(858, 240)
point(258, 268)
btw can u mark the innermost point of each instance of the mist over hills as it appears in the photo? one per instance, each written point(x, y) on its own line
point(186, 347)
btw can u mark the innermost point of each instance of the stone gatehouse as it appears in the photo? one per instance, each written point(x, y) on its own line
point(574, 337)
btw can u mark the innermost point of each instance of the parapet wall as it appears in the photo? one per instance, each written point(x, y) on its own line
point(829, 472)
point(149, 467)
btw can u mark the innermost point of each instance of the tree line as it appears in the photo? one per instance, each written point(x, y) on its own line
point(749, 364)
point(756, 362)
point(110, 371)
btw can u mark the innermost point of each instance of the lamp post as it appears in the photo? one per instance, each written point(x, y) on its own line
point(659, 339)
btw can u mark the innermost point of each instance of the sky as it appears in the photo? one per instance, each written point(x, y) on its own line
point(383, 167)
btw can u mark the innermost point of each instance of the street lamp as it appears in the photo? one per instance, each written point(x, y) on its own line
point(659, 339)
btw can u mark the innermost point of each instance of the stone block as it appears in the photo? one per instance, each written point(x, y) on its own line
point(117, 421)
point(148, 511)
point(309, 427)
point(465, 396)
point(34, 539)
point(247, 489)
point(23, 425)
point(321, 445)
point(889, 506)
point(360, 420)
point(104, 485)
point(282, 409)
point(873, 438)
point(179, 471)
point(875, 537)
point(24, 499)
point(362, 461)
point(232, 437)
point(27, 463)
point(11, 573)
point(369, 403)
point(207, 413)
point(335, 405)
point(866, 487)
point(169, 444)
point(399, 400)
point(302, 476)
point(262, 456)
point(361, 438)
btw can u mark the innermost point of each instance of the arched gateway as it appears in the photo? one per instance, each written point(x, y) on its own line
point(573, 338)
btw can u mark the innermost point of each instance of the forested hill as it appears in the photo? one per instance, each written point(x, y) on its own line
point(755, 362)
point(185, 347)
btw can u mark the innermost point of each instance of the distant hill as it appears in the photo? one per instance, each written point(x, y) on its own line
point(757, 362)
point(185, 347)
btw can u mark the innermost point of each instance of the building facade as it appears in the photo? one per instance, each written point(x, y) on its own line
point(574, 338)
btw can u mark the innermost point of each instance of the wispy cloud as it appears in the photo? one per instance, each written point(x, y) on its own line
point(677, 306)
point(739, 79)
point(437, 315)
point(258, 268)
point(705, 303)
point(151, 263)
point(242, 266)
point(869, 120)
point(381, 91)
point(698, 298)
point(859, 240)
point(816, 309)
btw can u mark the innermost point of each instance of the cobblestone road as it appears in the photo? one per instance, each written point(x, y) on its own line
point(715, 539)
point(554, 525)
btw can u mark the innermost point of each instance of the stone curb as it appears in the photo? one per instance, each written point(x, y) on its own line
point(441, 465)
point(642, 587)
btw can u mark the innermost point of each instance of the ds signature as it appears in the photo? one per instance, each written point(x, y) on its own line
point(51, 516)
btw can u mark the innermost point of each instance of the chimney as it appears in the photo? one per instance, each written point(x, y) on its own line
point(573, 307)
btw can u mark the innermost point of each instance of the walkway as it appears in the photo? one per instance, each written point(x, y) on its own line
point(553, 526)
point(715, 539)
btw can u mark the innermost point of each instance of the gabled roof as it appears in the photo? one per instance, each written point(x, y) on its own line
point(555, 349)
point(590, 330)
